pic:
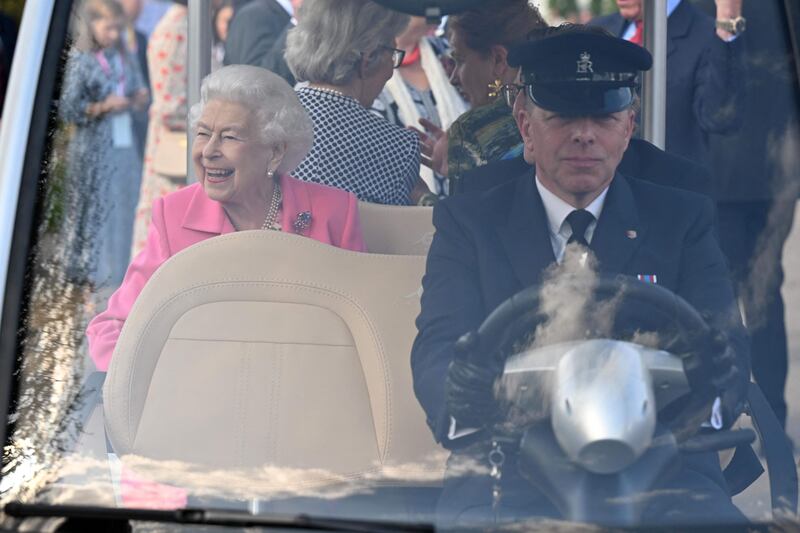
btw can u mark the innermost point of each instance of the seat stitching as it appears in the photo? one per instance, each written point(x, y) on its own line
point(304, 286)
point(241, 393)
point(274, 408)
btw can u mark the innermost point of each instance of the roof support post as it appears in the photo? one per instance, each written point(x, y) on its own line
point(654, 89)
point(198, 62)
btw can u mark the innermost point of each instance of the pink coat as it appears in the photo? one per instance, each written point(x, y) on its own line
point(188, 216)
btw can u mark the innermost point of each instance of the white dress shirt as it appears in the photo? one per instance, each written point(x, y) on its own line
point(557, 211)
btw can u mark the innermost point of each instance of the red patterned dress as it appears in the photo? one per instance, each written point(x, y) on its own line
point(166, 58)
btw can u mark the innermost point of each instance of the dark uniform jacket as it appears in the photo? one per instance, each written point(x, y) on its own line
point(490, 245)
point(705, 80)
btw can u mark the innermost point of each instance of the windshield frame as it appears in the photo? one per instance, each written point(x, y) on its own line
point(28, 119)
point(21, 176)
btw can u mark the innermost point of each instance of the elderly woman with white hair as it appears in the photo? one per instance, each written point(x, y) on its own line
point(249, 132)
point(345, 52)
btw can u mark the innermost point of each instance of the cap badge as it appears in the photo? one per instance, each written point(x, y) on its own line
point(585, 63)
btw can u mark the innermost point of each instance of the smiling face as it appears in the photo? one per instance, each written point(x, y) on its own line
point(230, 161)
point(575, 157)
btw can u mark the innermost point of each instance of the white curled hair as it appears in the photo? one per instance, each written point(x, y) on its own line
point(279, 115)
point(327, 44)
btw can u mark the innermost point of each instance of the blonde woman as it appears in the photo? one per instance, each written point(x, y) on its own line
point(102, 87)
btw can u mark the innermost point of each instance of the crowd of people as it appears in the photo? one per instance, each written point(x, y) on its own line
point(522, 135)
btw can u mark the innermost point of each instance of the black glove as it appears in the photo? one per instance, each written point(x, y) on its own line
point(469, 393)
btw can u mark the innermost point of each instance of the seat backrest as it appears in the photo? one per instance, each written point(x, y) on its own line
point(396, 230)
point(263, 348)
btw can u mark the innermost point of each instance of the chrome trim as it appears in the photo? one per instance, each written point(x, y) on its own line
point(16, 121)
point(603, 408)
point(526, 370)
point(198, 61)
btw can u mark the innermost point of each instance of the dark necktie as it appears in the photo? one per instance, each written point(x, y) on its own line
point(579, 220)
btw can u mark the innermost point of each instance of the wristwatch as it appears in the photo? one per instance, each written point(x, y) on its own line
point(733, 26)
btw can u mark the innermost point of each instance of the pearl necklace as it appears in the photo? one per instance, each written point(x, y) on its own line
point(329, 91)
point(272, 211)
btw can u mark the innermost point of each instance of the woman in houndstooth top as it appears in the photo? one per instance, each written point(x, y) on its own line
point(345, 52)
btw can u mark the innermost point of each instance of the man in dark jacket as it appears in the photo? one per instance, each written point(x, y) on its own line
point(576, 123)
point(705, 70)
point(756, 184)
point(254, 30)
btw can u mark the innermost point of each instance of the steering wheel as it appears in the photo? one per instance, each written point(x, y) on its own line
point(640, 307)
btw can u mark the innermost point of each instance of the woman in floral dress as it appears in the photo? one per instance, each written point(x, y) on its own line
point(166, 57)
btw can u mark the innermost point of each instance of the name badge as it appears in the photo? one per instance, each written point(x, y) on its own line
point(122, 130)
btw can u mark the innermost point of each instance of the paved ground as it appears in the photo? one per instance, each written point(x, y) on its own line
point(755, 501)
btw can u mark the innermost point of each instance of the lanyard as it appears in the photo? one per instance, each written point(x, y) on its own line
point(101, 58)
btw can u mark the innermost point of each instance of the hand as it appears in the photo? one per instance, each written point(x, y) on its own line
point(433, 146)
point(469, 393)
point(114, 103)
point(140, 99)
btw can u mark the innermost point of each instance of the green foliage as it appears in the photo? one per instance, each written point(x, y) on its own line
point(569, 9)
point(563, 8)
point(603, 7)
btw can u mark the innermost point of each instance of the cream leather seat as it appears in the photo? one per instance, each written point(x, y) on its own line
point(392, 229)
point(262, 349)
